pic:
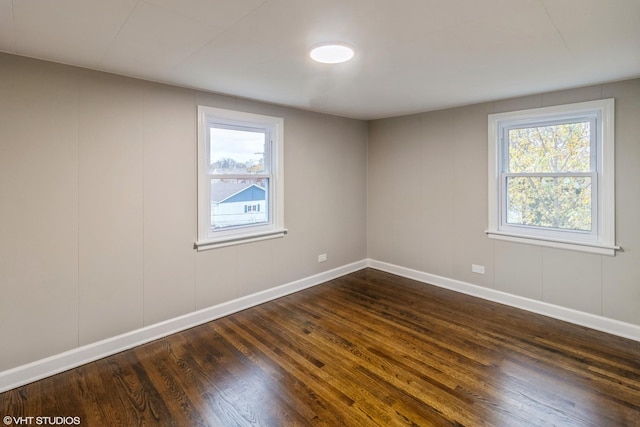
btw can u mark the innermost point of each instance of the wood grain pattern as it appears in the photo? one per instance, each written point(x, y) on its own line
point(367, 349)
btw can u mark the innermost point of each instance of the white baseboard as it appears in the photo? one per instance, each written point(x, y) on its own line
point(600, 323)
point(43, 368)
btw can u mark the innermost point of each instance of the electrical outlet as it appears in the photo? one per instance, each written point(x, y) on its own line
point(322, 257)
point(477, 269)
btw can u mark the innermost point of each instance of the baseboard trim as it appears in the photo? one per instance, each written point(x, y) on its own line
point(52, 365)
point(600, 323)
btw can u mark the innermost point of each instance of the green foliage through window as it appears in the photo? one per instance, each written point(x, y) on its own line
point(549, 177)
point(554, 148)
point(554, 202)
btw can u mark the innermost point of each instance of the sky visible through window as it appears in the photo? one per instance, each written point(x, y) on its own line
point(239, 145)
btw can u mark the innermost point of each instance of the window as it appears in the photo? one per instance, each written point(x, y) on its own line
point(240, 185)
point(551, 176)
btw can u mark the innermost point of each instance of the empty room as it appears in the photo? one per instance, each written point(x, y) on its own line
point(320, 212)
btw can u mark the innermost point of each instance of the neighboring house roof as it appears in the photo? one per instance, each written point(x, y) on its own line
point(229, 192)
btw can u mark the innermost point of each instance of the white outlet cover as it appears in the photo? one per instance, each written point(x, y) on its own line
point(477, 269)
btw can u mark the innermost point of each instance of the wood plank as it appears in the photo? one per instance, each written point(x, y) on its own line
point(369, 348)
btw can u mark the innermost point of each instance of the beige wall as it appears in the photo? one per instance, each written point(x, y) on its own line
point(98, 206)
point(427, 207)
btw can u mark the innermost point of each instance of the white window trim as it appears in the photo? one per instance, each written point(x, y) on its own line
point(604, 242)
point(240, 235)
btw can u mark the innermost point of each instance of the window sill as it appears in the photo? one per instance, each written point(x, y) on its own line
point(588, 247)
point(239, 240)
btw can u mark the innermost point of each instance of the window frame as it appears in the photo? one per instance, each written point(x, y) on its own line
point(273, 157)
point(601, 240)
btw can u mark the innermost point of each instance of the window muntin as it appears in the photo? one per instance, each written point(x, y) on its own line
point(240, 185)
point(239, 172)
point(552, 176)
point(547, 175)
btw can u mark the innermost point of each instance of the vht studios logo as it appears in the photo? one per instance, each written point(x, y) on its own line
point(41, 421)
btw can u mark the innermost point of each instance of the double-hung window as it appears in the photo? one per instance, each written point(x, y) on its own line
point(240, 185)
point(551, 176)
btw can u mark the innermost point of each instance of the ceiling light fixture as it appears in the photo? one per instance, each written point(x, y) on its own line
point(332, 53)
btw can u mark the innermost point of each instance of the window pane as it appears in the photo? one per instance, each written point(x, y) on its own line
point(238, 202)
point(552, 202)
point(556, 148)
point(233, 151)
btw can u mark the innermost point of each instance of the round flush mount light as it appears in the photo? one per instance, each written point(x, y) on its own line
point(332, 53)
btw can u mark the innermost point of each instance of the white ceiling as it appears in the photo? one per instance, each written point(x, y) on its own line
point(412, 55)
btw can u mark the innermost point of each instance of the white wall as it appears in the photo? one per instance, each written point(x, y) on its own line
point(98, 206)
point(427, 207)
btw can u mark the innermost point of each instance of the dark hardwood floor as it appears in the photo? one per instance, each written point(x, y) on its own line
point(366, 349)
